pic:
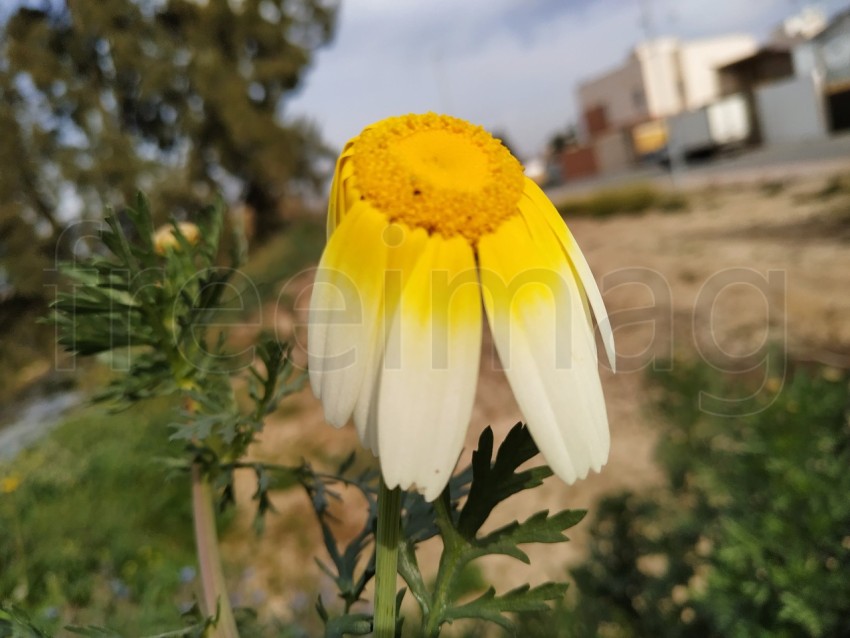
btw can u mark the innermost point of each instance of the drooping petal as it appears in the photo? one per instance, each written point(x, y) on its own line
point(539, 325)
point(430, 368)
point(346, 301)
point(553, 218)
point(405, 247)
point(338, 201)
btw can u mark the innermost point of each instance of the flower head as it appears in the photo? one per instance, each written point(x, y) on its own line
point(430, 218)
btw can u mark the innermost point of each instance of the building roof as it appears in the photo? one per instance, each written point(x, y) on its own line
point(835, 23)
point(768, 51)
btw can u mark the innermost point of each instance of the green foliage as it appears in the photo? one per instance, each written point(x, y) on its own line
point(151, 308)
point(214, 416)
point(170, 96)
point(481, 488)
point(493, 608)
point(93, 534)
point(149, 304)
point(16, 624)
point(492, 484)
point(179, 98)
point(459, 528)
point(634, 198)
point(152, 302)
point(751, 538)
point(348, 571)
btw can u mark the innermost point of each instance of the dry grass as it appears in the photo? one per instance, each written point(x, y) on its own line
point(633, 198)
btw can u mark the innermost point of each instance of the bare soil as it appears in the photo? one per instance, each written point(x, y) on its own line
point(746, 266)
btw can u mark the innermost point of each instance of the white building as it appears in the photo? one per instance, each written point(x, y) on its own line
point(826, 58)
point(661, 78)
point(623, 110)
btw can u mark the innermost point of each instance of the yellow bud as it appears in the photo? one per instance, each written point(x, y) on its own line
point(164, 237)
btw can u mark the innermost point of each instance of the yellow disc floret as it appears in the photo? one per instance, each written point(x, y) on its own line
point(439, 173)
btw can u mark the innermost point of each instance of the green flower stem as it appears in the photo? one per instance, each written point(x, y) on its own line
point(215, 597)
point(408, 568)
point(449, 564)
point(386, 563)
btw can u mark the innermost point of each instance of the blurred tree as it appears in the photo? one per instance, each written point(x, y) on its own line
point(178, 97)
point(563, 140)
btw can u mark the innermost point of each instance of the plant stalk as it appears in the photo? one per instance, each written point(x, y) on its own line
point(215, 599)
point(386, 562)
point(449, 564)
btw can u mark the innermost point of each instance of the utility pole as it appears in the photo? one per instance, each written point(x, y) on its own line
point(677, 165)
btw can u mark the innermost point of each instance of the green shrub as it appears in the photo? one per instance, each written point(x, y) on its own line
point(87, 520)
point(752, 537)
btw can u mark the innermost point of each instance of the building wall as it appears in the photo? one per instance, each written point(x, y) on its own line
point(620, 93)
point(661, 78)
point(699, 61)
point(614, 152)
point(833, 50)
point(659, 62)
point(791, 111)
point(766, 66)
point(827, 55)
point(805, 60)
point(596, 120)
point(579, 162)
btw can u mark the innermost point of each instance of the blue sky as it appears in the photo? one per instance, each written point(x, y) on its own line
point(510, 65)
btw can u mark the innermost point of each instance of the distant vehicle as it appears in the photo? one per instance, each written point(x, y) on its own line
point(720, 126)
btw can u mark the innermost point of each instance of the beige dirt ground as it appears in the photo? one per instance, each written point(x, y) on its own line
point(746, 265)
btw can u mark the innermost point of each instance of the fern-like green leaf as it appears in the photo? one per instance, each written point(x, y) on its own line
point(493, 608)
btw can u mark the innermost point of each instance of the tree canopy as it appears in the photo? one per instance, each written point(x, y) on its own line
point(180, 98)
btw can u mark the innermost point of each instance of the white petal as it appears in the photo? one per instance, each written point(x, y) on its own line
point(579, 263)
point(345, 303)
point(405, 247)
point(546, 347)
point(430, 369)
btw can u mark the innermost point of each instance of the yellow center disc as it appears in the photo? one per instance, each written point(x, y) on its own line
point(438, 173)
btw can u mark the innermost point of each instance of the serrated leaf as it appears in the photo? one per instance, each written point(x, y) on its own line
point(539, 528)
point(493, 483)
point(492, 608)
point(348, 570)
